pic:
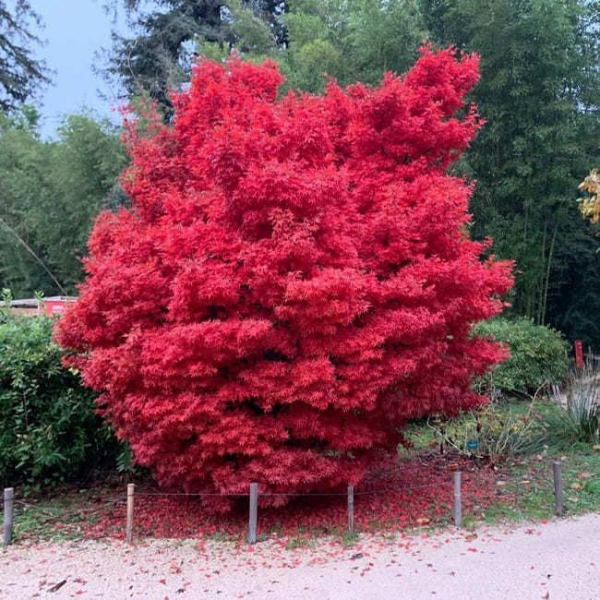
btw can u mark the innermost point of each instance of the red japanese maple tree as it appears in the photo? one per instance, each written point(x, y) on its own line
point(294, 280)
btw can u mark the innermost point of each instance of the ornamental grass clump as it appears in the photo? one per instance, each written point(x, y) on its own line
point(575, 416)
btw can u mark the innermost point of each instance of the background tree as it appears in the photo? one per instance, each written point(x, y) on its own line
point(20, 73)
point(351, 40)
point(538, 94)
point(51, 193)
point(25, 167)
point(158, 58)
point(294, 280)
point(88, 158)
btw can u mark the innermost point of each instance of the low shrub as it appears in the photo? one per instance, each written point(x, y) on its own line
point(539, 355)
point(49, 431)
point(496, 431)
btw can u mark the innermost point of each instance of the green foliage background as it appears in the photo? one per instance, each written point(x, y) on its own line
point(539, 95)
point(50, 194)
point(538, 355)
point(49, 431)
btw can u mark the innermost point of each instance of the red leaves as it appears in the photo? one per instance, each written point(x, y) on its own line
point(293, 282)
point(418, 493)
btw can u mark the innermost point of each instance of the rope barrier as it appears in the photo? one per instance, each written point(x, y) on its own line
point(193, 495)
point(512, 486)
point(406, 488)
point(467, 479)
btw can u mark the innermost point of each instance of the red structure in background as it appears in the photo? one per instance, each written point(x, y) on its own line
point(579, 354)
point(54, 305)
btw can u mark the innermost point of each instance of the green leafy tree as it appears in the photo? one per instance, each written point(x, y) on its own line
point(88, 158)
point(51, 193)
point(351, 40)
point(25, 168)
point(538, 94)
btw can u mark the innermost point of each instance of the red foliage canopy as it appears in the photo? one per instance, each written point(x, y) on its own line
point(294, 281)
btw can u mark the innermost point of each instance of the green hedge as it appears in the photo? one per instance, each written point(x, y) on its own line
point(49, 431)
point(539, 355)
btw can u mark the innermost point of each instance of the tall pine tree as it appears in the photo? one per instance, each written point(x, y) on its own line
point(158, 58)
point(20, 72)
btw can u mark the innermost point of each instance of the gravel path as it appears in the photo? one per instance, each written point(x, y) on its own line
point(559, 560)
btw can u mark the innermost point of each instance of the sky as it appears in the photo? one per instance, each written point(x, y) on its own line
point(74, 31)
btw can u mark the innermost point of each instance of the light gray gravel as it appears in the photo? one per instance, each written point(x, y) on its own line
point(559, 560)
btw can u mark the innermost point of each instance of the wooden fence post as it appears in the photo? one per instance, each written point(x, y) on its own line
point(457, 499)
point(8, 514)
point(351, 509)
point(558, 487)
point(252, 524)
point(129, 529)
